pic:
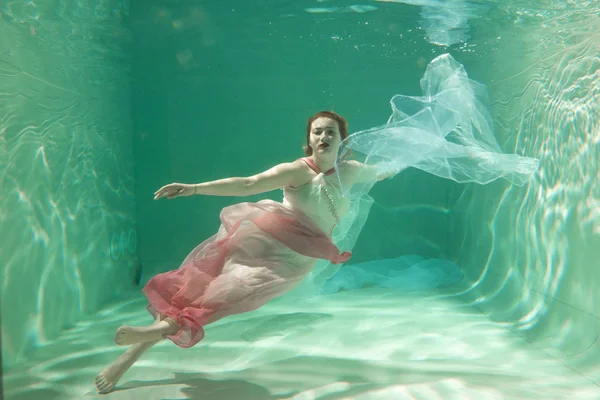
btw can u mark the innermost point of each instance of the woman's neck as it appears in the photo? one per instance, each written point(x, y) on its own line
point(323, 163)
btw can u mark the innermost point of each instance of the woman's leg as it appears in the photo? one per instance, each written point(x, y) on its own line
point(128, 335)
point(107, 379)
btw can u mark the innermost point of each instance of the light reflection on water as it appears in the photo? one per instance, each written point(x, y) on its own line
point(543, 236)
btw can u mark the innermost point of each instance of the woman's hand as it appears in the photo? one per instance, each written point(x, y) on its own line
point(173, 190)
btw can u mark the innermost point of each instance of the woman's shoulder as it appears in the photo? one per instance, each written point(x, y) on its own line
point(302, 173)
point(349, 170)
point(294, 166)
point(349, 166)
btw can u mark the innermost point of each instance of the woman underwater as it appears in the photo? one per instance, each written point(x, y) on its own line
point(261, 250)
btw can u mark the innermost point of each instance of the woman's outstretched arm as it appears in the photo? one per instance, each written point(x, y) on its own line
point(281, 175)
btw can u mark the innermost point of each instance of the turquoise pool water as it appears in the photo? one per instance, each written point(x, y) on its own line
point(101, 103)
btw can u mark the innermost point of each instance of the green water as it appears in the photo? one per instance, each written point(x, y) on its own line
point(101, 103)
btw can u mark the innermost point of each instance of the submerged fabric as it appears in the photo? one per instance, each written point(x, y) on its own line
point(261, 251)
point(446, 132)
point(408, 273)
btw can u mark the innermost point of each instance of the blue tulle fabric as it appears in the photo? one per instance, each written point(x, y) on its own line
point(447, 132)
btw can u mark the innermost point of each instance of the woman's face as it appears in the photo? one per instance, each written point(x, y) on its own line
point(325, 138)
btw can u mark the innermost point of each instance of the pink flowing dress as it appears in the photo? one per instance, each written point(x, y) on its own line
point(261, 251)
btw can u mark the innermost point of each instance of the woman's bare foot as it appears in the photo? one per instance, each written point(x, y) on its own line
point(127, 335)
point(106, 380)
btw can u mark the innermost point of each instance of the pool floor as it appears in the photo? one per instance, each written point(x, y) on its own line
point(364, 344)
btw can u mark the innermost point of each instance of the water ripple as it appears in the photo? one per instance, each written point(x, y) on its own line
point(66, 173)
point(539, 272)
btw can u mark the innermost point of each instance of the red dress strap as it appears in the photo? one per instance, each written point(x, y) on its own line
point(314, 167)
